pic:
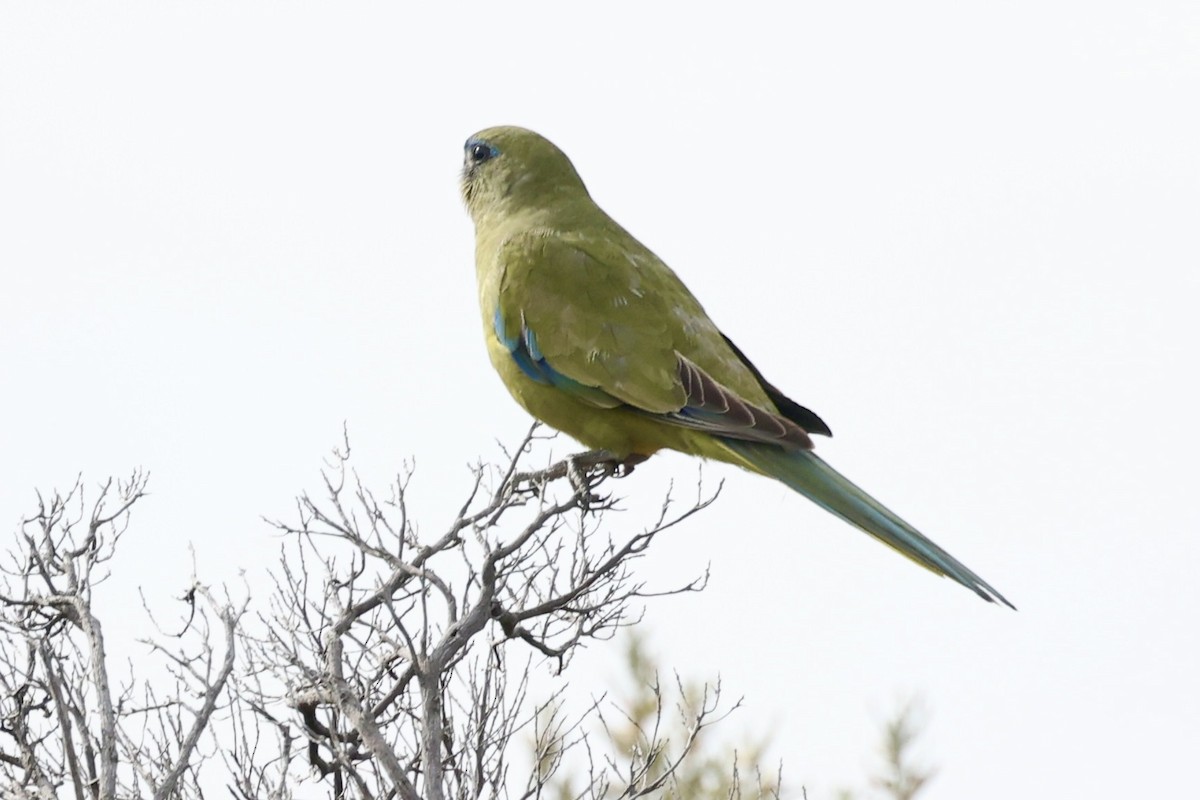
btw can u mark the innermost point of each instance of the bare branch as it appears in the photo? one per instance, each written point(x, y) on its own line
point(376, 654)
point(387, 662)
point(69, 722)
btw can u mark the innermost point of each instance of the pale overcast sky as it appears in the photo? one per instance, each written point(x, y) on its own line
point(967, 235)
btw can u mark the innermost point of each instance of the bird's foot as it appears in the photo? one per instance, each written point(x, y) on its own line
point(585, 470)
point(579, 467)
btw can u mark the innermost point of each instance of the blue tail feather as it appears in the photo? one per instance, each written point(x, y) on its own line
point(806, 473)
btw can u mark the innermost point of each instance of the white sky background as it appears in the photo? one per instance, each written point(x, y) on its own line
point(966, 236)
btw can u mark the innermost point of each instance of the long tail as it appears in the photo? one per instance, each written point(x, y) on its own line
point(807, 474)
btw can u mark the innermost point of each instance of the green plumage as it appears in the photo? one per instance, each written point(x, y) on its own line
point(594, 335)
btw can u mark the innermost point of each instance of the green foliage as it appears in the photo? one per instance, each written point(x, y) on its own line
point(900, 777)
point(660, 747)
point(712, 769)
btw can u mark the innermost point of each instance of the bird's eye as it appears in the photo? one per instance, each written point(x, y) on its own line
point(479, 152)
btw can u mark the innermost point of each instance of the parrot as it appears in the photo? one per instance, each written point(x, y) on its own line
point(597, 337)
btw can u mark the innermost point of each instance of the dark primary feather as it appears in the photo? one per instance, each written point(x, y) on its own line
point(786, 405)
point(713, 408)
point(708, 406)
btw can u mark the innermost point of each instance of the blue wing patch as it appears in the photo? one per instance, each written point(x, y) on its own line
point(518, 346)
point(528, 356)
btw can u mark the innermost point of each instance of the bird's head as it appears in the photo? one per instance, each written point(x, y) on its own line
point(507, 170)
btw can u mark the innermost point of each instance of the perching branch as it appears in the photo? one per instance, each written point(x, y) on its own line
point(386, 663)
point(377, 633)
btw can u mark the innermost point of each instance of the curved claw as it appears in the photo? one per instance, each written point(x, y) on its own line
point(627, 465)
point(580, 472)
